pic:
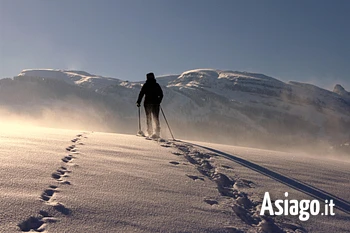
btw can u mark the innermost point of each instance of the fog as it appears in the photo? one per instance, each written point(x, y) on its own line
point(80, 115)
point(60, 115)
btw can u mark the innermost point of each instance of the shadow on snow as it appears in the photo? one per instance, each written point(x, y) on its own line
point(317, 193)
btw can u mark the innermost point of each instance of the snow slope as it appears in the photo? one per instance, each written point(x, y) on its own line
point(72, 181)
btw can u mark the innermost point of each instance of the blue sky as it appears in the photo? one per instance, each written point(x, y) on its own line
point(305, 41)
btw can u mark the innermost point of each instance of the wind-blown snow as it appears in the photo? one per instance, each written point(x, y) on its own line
point(72, 181)
point(201, 104)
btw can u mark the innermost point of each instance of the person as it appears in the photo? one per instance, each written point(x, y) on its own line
point(153, 97)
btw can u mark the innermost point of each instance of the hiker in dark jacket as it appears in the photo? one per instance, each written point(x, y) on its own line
point(153, 97)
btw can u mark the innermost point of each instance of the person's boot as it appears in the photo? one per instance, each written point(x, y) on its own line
point(157, 134)
point(150, 132)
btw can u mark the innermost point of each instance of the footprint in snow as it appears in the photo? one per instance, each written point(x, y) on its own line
point(32, 223)
point(47, 194)
point(65, 182)
point(56, 176)
point(242, 183)
point(61, 208)
point(59, 174)
point(223, 181)
point(199, 155)
point(244, 201)
point(195, 177)
point(37, 223)
point(64, 169)
point(66, 159)
point(244, 215)
point(63, 172)
point(211, 201)
point(177, 153)
point(75, 140)
point(69, 148)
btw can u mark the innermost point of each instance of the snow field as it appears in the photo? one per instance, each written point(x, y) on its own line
point(68, 181)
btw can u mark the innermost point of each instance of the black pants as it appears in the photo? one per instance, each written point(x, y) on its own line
point(152, 113)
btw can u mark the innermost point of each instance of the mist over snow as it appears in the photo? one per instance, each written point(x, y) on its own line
point(229, 107)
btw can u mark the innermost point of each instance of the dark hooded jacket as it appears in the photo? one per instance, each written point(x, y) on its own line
point(152, 91)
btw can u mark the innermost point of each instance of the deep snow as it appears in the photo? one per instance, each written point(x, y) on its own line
point(72, 181)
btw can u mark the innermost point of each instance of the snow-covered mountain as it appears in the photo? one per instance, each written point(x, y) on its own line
point(203, 104)
point(80, 78)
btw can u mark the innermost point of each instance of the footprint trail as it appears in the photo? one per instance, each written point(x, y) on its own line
point(232, 191)
point(39, 223)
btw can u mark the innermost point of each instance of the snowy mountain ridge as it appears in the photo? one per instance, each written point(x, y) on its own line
point(202, 77)
point(232, 105)
point(224, 83)
point(80, 78)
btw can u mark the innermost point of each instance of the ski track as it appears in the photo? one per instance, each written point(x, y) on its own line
point(230, 193)
point(52, 207)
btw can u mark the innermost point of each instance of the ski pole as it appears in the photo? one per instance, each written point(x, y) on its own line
point(139, 120)
point(167, 123)
point(140, 133)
